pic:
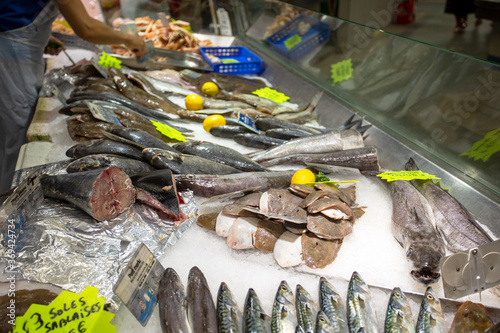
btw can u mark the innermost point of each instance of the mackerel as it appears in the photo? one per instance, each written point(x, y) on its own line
point(307, 309)
point(228, 314)
point(399, 318)
point(332, 306)
point(284, 318)
point(361, 314)
point(430, 317)
point(255, 320)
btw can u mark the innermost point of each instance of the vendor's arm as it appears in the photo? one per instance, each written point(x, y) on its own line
point(95, 31)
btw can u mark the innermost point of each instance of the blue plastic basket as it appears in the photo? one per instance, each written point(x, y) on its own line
point(317, 34)
point(235, 60)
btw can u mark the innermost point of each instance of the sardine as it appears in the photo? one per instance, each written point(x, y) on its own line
point(202, 314)
point(398, 318)
point(185, 164)
point(138, 95)
point(257, 141)
point(364, 159)
point(172, 302)
point(413, 226)
point(319, 143)
point(307, 309)
point(284, 318)
point(103, 194)
point(229, 318)
point(228, 131)
point(255, 320)
point(210, 185)
point(220, 154)
point(142, 137)
point(361, 315)
point(332, 306)
point(430, 317)
point(103, 147)
point(323, 324)
point(453, 221)
point(130, 166)
point(471, 317)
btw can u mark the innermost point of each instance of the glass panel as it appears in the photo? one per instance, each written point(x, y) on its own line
point(441, 101)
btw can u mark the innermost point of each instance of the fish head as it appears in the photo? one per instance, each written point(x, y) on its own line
point(425, 263)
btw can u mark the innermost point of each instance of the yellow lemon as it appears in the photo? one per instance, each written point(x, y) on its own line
point(210, 89)
point(193, 102)
point(303, 176)
point(213, 121)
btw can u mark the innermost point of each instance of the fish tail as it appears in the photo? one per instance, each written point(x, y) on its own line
point(411, 165)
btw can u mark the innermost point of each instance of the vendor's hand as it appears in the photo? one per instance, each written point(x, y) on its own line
point(137, 45)
point(54, 46)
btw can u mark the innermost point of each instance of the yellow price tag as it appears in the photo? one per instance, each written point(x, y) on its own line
point(229, 61)
point(292, 41)
point(483, 149)
point(342, 71)
point(69, 312)
point(107, 61)
point(391, 176)
point(168, 131)
point(271, 94)
point(64, 23)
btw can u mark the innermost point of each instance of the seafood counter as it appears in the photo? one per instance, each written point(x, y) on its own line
point(257, 231)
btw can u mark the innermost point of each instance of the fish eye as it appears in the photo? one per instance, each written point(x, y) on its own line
point(429, 297)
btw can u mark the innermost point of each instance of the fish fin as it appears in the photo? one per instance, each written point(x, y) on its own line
point(400, 243)
point(411, 165)
point(361, 330)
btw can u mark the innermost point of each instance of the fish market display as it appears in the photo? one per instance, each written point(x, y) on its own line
point(254, 318)
point(284, 318)
point(454, 223)
point(430, 317)
point(332, 307)
point(103, 194)
point(361, 315)
point(471, 317)
point(229, 317)
point(172, 303)
point(399, 317)
point(202, 314)
point(413, 226)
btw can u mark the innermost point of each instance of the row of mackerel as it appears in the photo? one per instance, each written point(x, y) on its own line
point(320, 143)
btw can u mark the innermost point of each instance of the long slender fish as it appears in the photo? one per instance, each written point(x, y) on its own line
point(130, 166)
point(228, 131)
point(103, 194)
point(399, 318)
point(202, 315)
point(255, 320)
point(228, 314)
point(413, 226)
point(185, 164)
point(210, 185)
point(141, 137)
point(172, 302)
point(307, 309)
point(319, 143)
point(103, 147)
point(332, 306)
point(220, 154)
point(284, 318)
point(265, 124)
point(361, 314)
point(453, 221)
point(430, 317)
point(257, 141)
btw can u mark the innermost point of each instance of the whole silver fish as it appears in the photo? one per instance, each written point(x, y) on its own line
point(399, 318)
point(284, 318)
point(210, 185)
point(202, 315)
point(323, 324)
point(166, 87)
point(413, 226)
point(255, 320)
point(213, 103)
point(228, 313)
point(454, 222)
point(430, 317)
point(172, 303)
point(319, 143)
point(256, 141)
point(361, 315)
point(332, 306)
point(307, 309)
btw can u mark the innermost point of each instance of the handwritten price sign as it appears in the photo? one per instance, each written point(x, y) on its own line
point(391, 176)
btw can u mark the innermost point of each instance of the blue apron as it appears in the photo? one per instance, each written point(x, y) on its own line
point(21, 72)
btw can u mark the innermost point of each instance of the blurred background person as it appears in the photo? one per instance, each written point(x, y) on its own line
point(460, 8)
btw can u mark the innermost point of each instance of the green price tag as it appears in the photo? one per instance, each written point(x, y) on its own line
point(391, 176)
point(483, 149)
point(107, 61)
point(342, 71)
point(271, 94)
point(292, 41)
point(229, 61)
point(168, 131)
point(69, 312)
